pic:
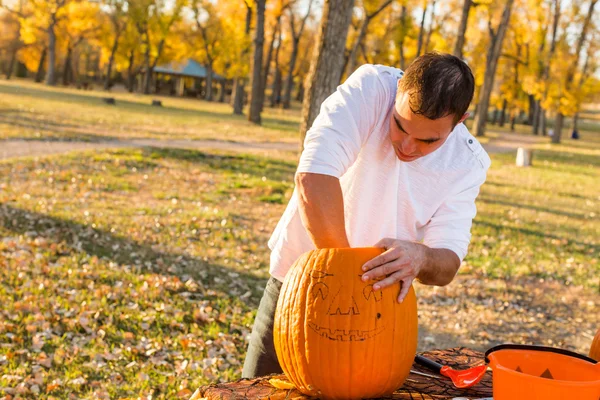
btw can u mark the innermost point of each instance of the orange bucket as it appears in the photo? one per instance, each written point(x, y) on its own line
point(542, 373)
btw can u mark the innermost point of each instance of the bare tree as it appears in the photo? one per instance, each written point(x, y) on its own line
point(328, 57)
point(558, 122)
point(462, 28)
point(143, 14)
point(13, 44)
point(402, 34)
point(210, 31)
point(364, 26)
point(422, 29)
point(296, 35)
point(259, 39)
point(539, 114)
point(39, 75)
point(51, 29)
point(495, 48)
point(119, 22)
point(267, 66)
point(276, 93)
point(240, 82)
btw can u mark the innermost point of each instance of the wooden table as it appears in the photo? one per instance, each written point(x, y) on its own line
point(416, 387)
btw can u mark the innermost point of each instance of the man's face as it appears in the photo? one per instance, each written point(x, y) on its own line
point(415, 136)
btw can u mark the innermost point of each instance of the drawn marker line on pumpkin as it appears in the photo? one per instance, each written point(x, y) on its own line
point(319, 274)
point(344, 335)
point(320, 289)
point(353, 310)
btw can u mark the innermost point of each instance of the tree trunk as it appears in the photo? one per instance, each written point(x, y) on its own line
point(575, 121)
point(558, 125)
point(543, 122)
point(402, 37)
point(11, 63)
point(495, 116)
point(276, 93)
point(130, 74)
point(259, 38)
point(462, 28)
point(503, 113)
point(222, 89)
point(300, 92)
point(572, 67)
point(237, 96)
point(67, 67)
point(267, 66)
point(289, 81)
point(430, 30)
point(354, 52)
point(531, 109)
point(209, 81)
point(490, 71)
point(328, 56)
point(536, 117)
point(39, 75)
point(51, 75)
point(148, 74)
point(111, 60)
point(546, 67)
point(513, 120)
point(422, 29)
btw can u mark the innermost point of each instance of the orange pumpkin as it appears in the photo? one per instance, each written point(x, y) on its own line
point(595, 349)
point(337, 338)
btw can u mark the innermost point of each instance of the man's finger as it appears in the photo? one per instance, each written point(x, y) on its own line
point(385, 269)
point(405, 284)
point(389, 281)
point(385, 257)
point(386, 243)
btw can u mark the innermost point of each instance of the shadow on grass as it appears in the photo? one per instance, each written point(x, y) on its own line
point(566, 157)
point(105, 245)
point(281, 124)
point(511, 185)
point(495, 200)
point(257, 166)
point(64, 132)
point(143, 108)
point(582, 247)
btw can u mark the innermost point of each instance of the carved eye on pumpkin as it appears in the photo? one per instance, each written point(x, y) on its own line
point(321, 290)
point(369, 292)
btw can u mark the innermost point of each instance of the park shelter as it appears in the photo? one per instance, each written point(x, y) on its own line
point(185, 78)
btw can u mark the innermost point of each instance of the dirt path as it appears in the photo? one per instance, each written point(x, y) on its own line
point(35, 148)
point(505, 143)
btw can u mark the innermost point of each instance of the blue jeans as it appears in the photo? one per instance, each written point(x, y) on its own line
point(261, 358)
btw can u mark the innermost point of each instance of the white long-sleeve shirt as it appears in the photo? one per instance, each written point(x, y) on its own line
point(430, 199)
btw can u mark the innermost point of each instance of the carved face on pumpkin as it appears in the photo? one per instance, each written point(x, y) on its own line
point(339, 303)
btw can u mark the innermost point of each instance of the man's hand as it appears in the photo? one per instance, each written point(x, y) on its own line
point(401, 262)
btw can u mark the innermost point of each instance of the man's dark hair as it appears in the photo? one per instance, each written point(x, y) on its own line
point(438, 85)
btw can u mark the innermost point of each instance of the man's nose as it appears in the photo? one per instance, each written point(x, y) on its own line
point(408, 146)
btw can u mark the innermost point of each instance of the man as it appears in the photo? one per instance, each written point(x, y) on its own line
point(387, 163)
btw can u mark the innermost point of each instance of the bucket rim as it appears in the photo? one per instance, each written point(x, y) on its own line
point(511, 346)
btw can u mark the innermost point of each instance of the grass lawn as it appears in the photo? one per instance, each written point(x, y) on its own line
point(34, 111)
point(136, 273)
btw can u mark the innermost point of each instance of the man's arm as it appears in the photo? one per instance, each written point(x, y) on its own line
point(404, 261)
point(321, 207)
point(440, 267)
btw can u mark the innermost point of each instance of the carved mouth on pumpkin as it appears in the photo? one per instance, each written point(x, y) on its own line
point(342, 335)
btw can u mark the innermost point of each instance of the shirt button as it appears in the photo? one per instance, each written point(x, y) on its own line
point(470, 141)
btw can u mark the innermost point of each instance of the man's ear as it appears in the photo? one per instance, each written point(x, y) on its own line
point(465, 116)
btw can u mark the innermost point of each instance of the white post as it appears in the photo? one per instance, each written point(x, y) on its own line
point(524, 157)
